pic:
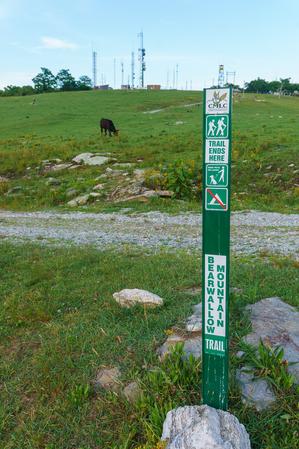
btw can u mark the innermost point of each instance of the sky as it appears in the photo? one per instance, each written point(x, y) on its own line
point(252, 38)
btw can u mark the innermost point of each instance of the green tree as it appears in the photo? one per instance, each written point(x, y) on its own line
point(44, 81)
point(259, 86)
point(84, 83)
point(274, 86)
point(65, 80)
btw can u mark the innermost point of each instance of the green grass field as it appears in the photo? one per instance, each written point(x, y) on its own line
point(59, 324)
point(61, 125)
point(58, 321)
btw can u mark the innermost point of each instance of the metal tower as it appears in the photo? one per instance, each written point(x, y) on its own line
point(231, 78)
point(94, 68)
point(122, 73)
point(177, 76)
point(141, 55)
point(132, 70)
point(221, 76)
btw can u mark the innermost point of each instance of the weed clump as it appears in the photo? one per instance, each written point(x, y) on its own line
point(181, 177)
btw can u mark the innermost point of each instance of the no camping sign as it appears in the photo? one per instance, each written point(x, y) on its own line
point(216, 240)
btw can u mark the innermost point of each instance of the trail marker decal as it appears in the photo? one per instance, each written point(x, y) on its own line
point(216, 238)
point(217, 126)
point(216, 175)
point(216, 199)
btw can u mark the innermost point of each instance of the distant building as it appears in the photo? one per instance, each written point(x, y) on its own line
point(125, 86)
point(104, 87)
point(153, 86)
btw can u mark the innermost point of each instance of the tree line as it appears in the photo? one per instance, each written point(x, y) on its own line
point(283, 87)
point(46, 81)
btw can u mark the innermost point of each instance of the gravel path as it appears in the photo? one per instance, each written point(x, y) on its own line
point(252, 231)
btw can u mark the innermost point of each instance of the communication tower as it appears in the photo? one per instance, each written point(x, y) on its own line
point(94, 68)
point(132, 70)
point(231, 78)
point(221, 76)
point(141, 55)
point(122, 72)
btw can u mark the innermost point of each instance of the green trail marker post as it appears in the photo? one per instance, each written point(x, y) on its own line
point(216, 239)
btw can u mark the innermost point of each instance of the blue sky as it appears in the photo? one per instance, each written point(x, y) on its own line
point(253, 38)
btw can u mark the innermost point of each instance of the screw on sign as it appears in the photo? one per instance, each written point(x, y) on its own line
point(216, 239)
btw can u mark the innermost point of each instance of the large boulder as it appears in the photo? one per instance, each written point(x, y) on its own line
point(255, 392)
point(131, 297)
point(203, 427)
point(276, 324)
point(90, 159)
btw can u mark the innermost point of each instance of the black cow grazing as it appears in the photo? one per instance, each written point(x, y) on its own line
point(108, 125)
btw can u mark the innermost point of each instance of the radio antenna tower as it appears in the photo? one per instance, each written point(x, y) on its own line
point(229, 76)
point(94, 68)
point(122, 73)
point(114, 73)
point(177, 76)
point(141, 53)
point(221, 76)
point(132, 70)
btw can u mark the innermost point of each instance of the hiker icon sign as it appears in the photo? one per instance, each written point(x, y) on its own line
point(217, 126)
point(216, 199)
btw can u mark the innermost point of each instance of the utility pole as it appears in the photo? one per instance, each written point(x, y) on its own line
point(141, 53)
point(177, 76)
point(114, 73)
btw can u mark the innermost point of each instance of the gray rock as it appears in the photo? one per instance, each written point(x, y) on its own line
point(98, 187)
point(53, 182)
point(79, 200)
point(90, 159)
point(108, 379)
point(168, 345)
point(276, 323)
point(194, 322)
point(123, 164)
point(71, 193)
point(193, 346)
point(165, 193)
point(255, 391)
point(139, 173)
point(131, 297)
point(59, 167)
point(203, 427)
point(132, 392)
point(3, 179)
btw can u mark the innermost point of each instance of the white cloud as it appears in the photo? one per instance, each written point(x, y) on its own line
point(53, 43)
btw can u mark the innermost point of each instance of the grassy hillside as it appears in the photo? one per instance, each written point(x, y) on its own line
point(61, 125)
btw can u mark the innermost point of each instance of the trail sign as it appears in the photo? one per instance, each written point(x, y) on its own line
point(216, 237)
point(216, 175)
point(216, 199)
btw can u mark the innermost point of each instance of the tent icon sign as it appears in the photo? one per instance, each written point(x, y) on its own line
point(216, 199)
